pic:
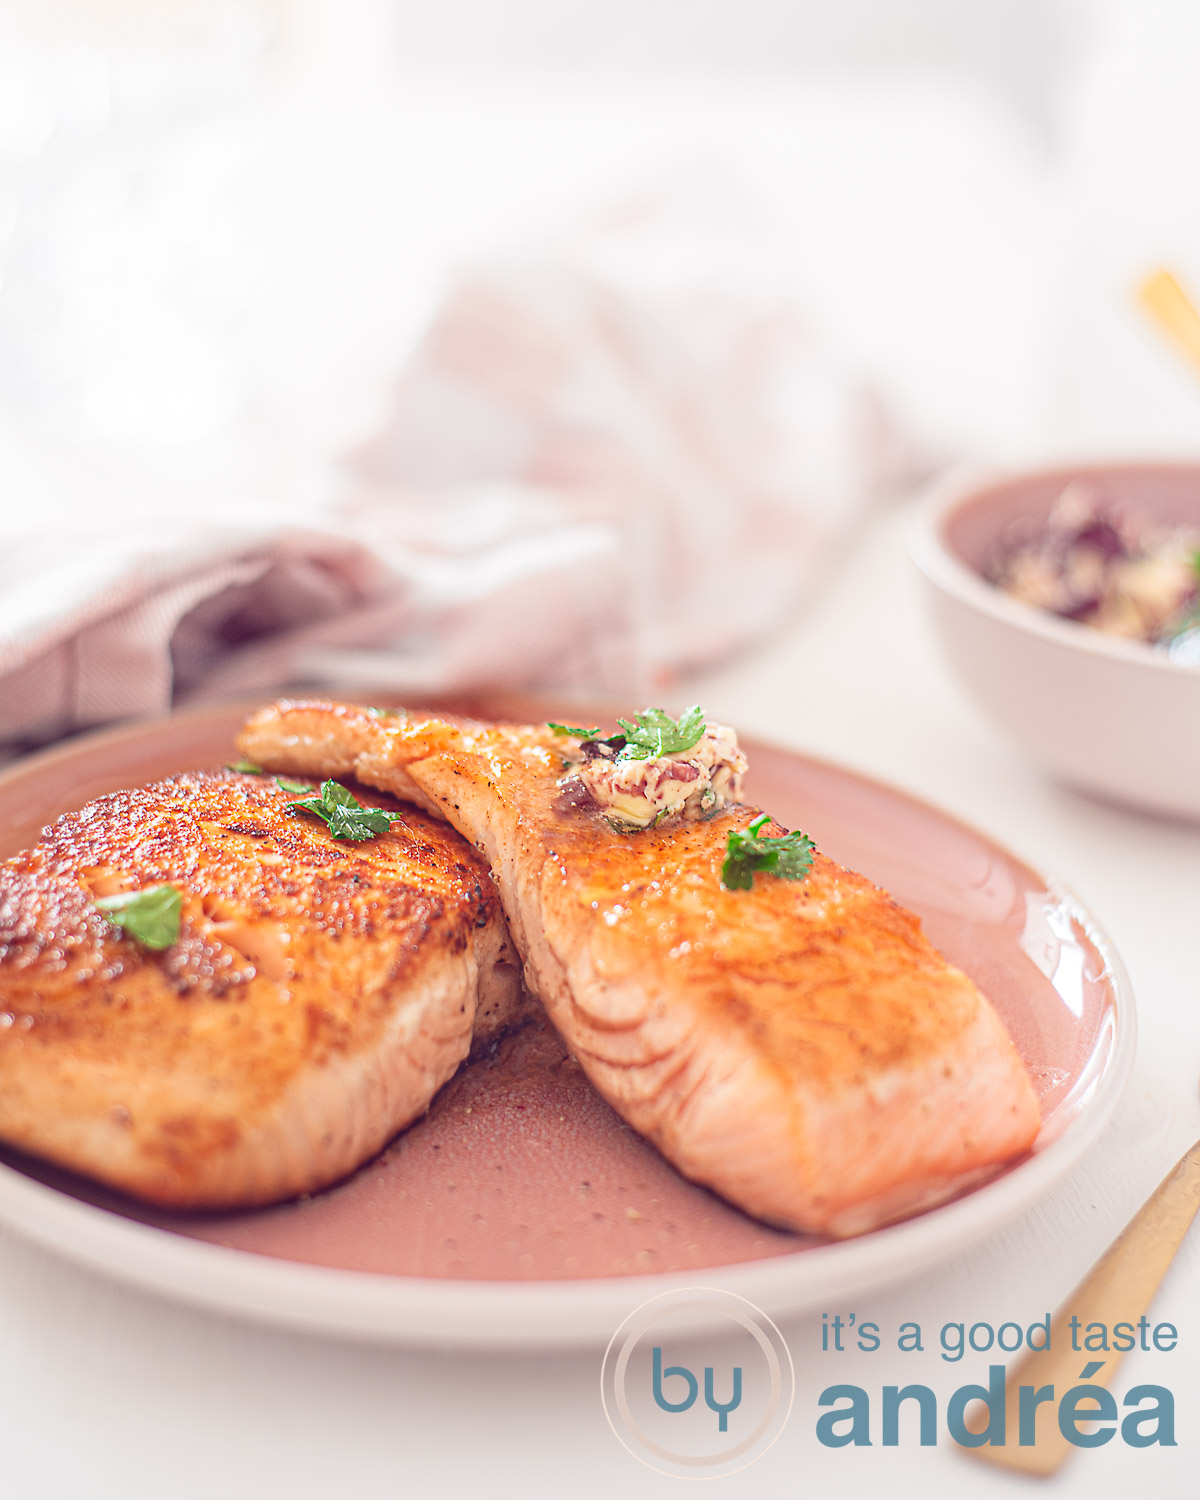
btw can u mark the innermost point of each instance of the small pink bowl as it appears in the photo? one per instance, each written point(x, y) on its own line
point(1110, 715)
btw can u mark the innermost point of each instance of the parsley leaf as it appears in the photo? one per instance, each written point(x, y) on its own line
point(579, 734)
point(655, 733)
point(151, 916)
point(388, 713)
point(336, 795)
point(246, 766)
point(345, 815)
point(286, 785)
point(650, 735)
point(746, 854)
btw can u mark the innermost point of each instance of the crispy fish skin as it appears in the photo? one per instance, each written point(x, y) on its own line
point(320, 991)
point(800, 1047)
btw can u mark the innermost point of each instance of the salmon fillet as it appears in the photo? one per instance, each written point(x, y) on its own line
point(319, 992)
point(800, 1047)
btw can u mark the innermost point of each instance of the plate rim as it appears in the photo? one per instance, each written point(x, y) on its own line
point(384, 1308)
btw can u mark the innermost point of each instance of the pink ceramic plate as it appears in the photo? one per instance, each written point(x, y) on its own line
point(521, 1210)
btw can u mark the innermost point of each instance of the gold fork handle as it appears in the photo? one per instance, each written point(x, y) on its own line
point(1175, 315)
point(1118, 1289)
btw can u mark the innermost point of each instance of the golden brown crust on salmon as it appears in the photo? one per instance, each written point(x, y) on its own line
point(801, 1046)
point(319, 993)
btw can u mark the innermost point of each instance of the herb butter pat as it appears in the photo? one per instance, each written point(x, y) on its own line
point(636, 789)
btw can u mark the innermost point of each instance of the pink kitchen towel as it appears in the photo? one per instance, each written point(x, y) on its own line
point(598, 468)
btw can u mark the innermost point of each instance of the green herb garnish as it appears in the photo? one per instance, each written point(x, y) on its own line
point(344, 813)
point(286, 785)
point(573, 729)
point(388, 713)
point(655, 733)
point(246, 766)
point(151, 916)
point(648, 736)
point(747, 855)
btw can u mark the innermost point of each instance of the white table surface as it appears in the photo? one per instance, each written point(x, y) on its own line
point(108, 1393)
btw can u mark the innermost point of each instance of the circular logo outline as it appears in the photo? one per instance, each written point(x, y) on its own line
point(686, 1299)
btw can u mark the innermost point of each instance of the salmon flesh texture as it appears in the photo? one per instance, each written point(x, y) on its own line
point(318, 995)
point(800, 1047)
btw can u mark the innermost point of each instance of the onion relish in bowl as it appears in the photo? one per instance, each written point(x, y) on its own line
point(1109, 568)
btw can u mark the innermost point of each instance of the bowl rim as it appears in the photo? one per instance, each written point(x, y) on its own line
point(964, 483)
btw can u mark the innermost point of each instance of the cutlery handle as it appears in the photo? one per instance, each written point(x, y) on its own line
point(1168, 305)
point(1119, 1288)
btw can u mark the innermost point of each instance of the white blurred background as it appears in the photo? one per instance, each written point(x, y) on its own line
point(224, 222)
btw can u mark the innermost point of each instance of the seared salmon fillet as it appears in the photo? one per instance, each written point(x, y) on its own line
point(799, 1046)
point(318, 993)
